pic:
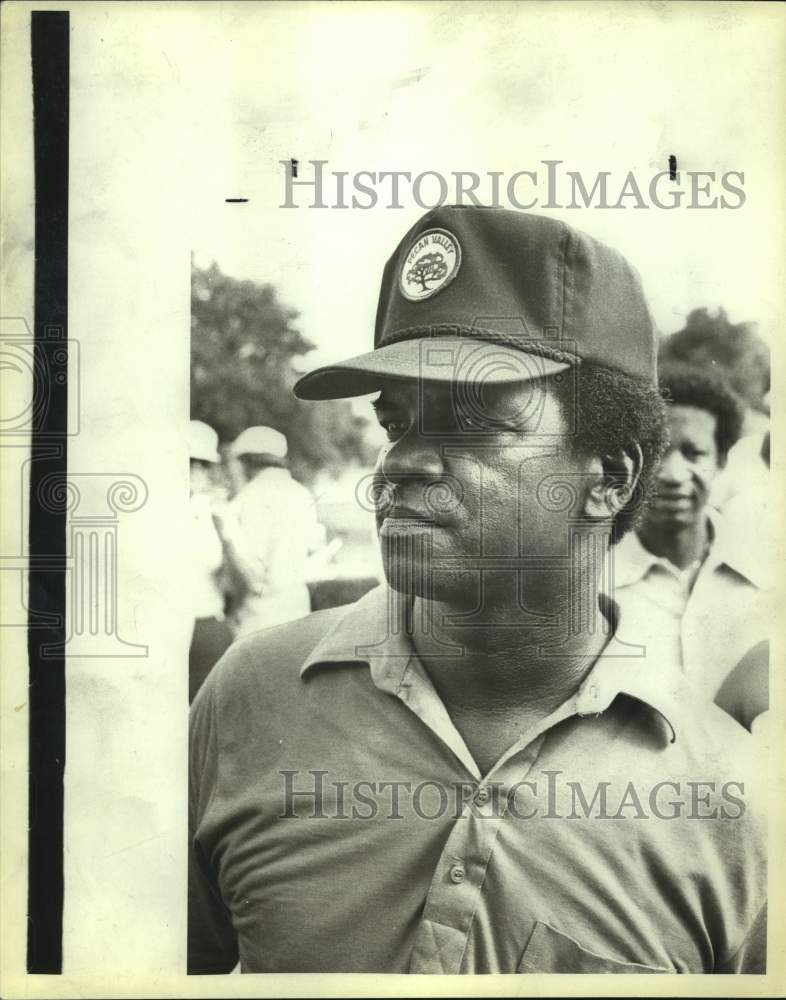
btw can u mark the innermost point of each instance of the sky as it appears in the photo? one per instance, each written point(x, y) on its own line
point(449, 87)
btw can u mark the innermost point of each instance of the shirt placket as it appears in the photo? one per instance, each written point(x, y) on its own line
point(454, 894)
point(698, 648)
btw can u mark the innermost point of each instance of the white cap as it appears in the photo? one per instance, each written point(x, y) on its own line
point(260, 441)
point(203, 442)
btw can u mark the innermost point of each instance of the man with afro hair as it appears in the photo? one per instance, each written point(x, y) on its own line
point(689, 591)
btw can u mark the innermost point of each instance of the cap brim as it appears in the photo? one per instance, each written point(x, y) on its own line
point(432, 359)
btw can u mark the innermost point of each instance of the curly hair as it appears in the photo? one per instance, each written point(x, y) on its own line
point(613, 412)
point(687, 385)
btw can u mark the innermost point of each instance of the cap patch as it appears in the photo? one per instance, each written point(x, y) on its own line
point(431, 264)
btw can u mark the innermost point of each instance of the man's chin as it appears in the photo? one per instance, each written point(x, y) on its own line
point(416, 578)
point(673, 515)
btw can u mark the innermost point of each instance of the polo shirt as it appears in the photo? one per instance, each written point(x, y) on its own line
point(701, 627)
point(340, 824)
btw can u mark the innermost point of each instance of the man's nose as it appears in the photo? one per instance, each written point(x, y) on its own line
point(413, 454)
point(673, 468)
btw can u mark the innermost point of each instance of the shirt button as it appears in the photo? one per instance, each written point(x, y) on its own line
point(482, 795)
point(458, 874)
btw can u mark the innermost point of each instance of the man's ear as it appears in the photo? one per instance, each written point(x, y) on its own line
point(618, 476)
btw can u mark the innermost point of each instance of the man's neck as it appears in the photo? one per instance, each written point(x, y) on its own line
point(515, 667)
point(681, 545)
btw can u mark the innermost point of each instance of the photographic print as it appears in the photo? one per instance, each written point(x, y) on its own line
point(391, 533)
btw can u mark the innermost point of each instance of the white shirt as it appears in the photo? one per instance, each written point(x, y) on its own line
point(277, 528)
point(207, 557)
point(701, 630)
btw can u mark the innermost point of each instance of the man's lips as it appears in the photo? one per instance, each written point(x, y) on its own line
point(401, 513)
point(673, 501)
point(401, 518)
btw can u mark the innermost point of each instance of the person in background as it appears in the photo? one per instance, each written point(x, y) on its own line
point(689, 590)
point(211, 635)
point(269, 531)
point(234, 471)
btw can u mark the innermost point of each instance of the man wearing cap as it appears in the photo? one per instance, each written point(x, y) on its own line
point(269, 532)
point(464, 772)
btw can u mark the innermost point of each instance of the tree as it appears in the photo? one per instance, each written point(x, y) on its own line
point(430, 267)
point(736, 349)
point(243, 342)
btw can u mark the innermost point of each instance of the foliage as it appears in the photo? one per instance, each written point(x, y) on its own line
point(734, 349)
point(243, 342)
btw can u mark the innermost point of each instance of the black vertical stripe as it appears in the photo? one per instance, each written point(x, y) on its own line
point(47, 539)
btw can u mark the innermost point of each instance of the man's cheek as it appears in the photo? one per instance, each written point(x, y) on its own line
point(491, 520)
point(707, 476)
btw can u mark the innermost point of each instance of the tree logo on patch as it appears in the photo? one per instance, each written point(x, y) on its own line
point(431, 264)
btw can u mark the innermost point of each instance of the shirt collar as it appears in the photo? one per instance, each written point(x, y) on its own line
point(729, 549)
point(371, 631)
point(363, 635)
point(617, 673)
point(632, 561)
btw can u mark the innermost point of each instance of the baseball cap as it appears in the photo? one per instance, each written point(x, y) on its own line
point(260, 441)
point(494, 295)
point(202, 442)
